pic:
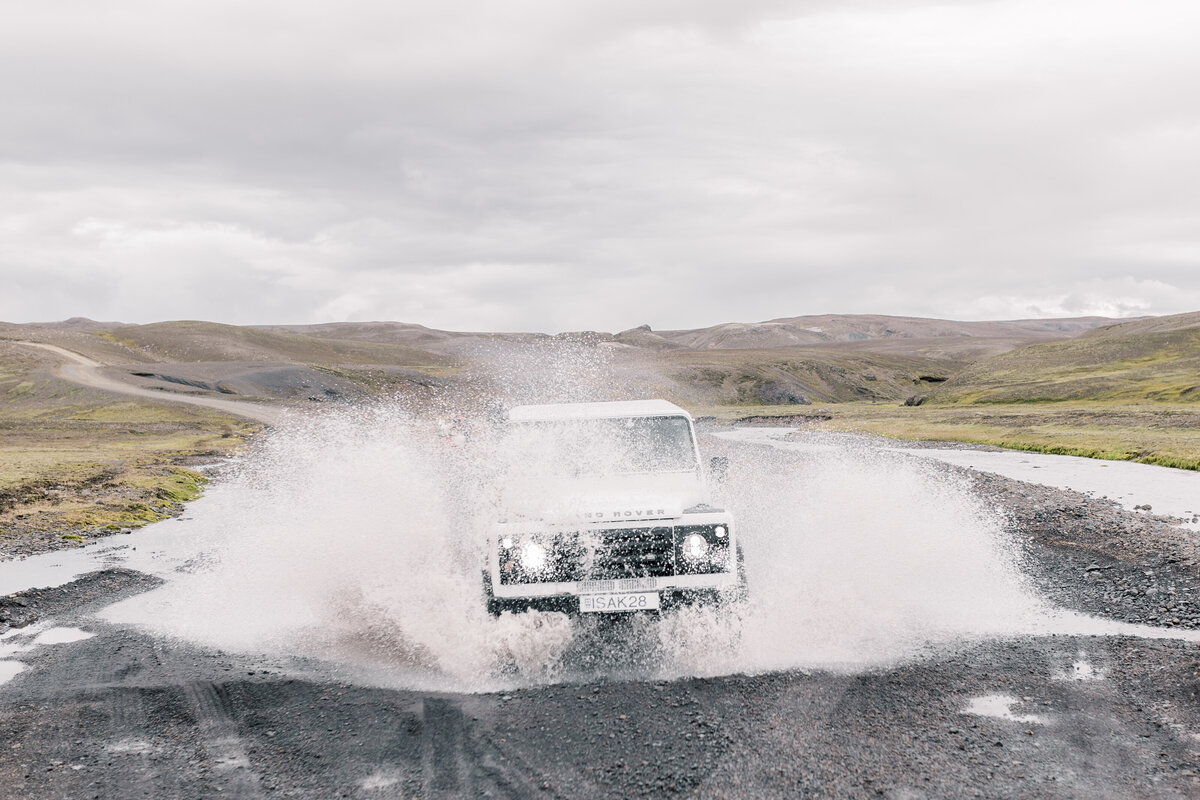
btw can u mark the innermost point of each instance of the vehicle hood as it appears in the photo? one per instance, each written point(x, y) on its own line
point(601, 498)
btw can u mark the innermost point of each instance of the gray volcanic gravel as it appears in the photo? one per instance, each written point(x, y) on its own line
point(127, 715)
point(1094, 556)
point(21, 609)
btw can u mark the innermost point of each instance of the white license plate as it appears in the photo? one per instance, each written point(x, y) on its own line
point(618, 585)
point(626, 601)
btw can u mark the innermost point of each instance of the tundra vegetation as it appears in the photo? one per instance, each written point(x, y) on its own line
point(76, 463)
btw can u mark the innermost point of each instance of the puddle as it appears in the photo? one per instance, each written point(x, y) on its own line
point(12, 642)
point(14, 633)
point(22, 640)
point(131, 747)
point(161, 549)
point(1000, 707)
point(50, 569)
point(9, 670)
point(62, 636)
point(1081, 670)
point(378, 781)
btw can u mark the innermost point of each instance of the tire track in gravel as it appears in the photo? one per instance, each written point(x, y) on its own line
point(220, 741)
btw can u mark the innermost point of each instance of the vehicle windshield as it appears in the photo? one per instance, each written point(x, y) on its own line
point(600, 446)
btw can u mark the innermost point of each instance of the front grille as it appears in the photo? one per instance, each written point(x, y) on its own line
point(614, 554)
point(632, 553)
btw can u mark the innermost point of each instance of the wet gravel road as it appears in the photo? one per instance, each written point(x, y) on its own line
point(122, 715)
point(127, 715)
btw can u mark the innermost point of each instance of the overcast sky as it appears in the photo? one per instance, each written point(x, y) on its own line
point(567, 164)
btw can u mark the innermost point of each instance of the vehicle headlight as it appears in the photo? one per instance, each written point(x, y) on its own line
point(695, 547)
point(533, 557)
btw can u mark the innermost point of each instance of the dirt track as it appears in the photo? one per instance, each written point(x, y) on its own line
point(86, 372)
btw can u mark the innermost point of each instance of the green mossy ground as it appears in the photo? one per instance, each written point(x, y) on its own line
point(1158, 366)
point(80, 463)
point(1167, 434)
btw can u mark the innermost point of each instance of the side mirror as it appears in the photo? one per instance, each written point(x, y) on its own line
point(719, 467)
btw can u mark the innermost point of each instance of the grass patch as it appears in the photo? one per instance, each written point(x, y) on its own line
point(1166, 434)
point(75, 462)
point(1107, 366)
point(98, 498)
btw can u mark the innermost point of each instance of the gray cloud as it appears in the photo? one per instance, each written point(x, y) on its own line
point(541, 165)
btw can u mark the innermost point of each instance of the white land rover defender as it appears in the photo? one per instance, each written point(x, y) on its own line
point(604, 507)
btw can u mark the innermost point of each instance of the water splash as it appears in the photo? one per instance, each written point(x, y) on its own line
point(859, 555)
point(358, 538)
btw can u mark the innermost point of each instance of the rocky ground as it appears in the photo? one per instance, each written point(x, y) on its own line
point(1092, 555)
point(124, 714)
point(23, 609)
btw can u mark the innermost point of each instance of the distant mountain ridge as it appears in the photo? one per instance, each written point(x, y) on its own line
point(790, 360)
point(1172, 322)
point(800, 331)
point(824, 328)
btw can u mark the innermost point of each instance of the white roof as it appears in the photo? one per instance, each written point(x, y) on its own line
point(621, 408)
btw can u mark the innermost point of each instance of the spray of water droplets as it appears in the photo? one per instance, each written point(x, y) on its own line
point(358, 538)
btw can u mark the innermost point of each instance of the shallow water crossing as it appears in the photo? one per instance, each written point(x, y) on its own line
point(358, 539)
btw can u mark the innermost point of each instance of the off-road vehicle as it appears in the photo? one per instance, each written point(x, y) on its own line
point(605, 508)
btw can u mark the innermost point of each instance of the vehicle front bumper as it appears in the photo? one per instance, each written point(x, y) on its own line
point(684, 583)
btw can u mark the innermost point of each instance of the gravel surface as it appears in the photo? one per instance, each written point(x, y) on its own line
point(1092, 555)
point(98, 588)
point(124, 714)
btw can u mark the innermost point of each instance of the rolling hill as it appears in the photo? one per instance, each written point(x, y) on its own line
point(793, 360)
point(788, 332)
point(830, 328)
point(1150, 359)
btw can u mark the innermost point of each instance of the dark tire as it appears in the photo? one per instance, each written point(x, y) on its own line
point(494, 606)
point(741, 592)
point(743, 585)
